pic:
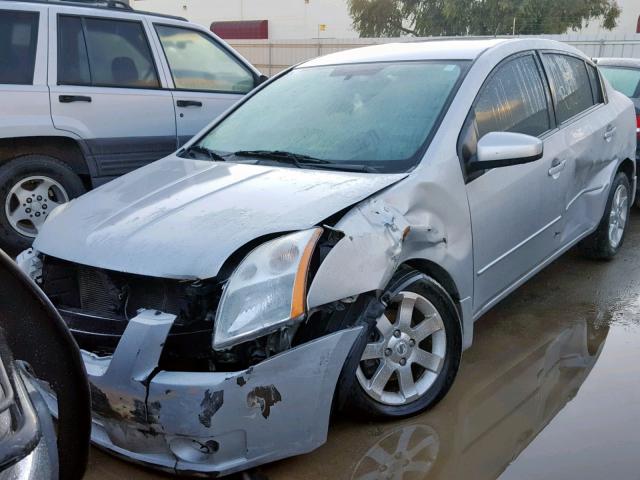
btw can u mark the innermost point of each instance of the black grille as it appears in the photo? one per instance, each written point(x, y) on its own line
point(113, 295)
point(98, 293)
point(96, 305)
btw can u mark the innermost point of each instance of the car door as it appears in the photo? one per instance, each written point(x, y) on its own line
point(106, 89)
point(515, 209)
point(587, 127)
point(208, 77)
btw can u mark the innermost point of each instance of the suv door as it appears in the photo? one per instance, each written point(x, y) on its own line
point(515, 209)
point(207, 76)
point(24, 95)
point(588, 131)
point(106, 89)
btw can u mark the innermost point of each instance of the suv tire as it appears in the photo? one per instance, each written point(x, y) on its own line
point(25, 177)
point(604, 243)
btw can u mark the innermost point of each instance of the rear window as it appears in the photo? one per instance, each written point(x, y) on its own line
point(625, 80)
point(18, 41)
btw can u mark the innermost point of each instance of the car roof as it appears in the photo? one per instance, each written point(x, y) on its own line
point(436, 49)
point(110, 5)
point(618, 62)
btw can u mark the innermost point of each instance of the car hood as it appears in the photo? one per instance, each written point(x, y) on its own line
point(182, 218)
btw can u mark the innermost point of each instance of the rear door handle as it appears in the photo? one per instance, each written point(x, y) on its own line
point(608, 134)
point(556, 167)
point(188, 103)
point(74, 98)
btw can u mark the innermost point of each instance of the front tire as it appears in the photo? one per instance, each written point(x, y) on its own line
point(30, 187)
point(606, 241)
point(413, 354)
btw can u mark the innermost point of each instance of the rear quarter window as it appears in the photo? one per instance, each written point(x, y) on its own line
point(18, 42)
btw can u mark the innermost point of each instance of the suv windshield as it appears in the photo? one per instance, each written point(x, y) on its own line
point(379, 115)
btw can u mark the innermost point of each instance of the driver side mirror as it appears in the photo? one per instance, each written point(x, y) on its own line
point(503, 149)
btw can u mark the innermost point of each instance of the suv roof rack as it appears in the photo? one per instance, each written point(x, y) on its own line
point(106, 3)
point(102, 4)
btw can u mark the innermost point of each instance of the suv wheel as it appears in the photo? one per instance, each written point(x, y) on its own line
point(413, 355)
point(30, 187)
point(605, 242)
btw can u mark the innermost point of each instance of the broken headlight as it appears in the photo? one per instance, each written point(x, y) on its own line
point(267, 291)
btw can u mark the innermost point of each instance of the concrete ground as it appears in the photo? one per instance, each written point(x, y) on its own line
point(549, 390)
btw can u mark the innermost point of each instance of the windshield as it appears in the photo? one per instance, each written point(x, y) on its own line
point(376, 114)
point(625, 80)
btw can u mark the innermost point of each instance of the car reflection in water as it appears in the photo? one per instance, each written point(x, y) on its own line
point(500, 412)
point(513, 382)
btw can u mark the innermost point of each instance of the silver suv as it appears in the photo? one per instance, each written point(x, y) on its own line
point(92, 91)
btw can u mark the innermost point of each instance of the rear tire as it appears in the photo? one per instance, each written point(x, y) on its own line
point(30, 187)
point(418, 339)
point(606, 241)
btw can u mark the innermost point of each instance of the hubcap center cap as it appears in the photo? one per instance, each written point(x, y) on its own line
point(399, 347)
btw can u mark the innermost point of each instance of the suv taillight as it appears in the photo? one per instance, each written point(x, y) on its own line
point(638, 125)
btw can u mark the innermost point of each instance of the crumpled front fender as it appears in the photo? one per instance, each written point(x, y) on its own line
point(365, 258)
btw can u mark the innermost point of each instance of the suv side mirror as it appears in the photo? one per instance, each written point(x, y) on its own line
point(502, 149)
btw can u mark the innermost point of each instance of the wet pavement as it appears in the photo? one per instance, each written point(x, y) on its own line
point(549, 390)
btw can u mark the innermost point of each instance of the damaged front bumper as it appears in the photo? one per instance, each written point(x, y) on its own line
point(211, 422)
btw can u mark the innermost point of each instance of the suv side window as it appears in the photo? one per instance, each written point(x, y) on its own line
point(513, 100)
point(570, 84)
point(18, 42)
point(104, 52)
point(198, 63)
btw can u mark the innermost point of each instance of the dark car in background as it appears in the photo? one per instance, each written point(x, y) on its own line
point(624, 76)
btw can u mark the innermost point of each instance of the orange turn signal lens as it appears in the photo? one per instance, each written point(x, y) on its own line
point(299, 296)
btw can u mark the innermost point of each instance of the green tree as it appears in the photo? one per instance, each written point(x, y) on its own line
point(392, 18)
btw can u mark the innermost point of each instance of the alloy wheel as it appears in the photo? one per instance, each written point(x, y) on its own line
point(618, 215)
point(407, 354)
point(29, 202)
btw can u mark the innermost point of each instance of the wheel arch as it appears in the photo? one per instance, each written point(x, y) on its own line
point(628, 167)
point(63, 148)
point(437, 273)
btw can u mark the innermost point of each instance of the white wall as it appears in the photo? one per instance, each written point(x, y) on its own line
point(273, 56)
point(627, 21)
point(288, 19)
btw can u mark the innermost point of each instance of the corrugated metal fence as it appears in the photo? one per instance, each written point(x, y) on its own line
point(273, 56)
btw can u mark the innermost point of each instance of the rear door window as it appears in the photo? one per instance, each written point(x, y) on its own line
point(570, 84)
point(18, 42)
point(104, 52)
point(513, 100)
point(197, 62)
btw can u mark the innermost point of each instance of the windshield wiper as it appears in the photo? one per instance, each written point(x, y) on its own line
point(350, 167)
point(296, 159)
point(194, 149)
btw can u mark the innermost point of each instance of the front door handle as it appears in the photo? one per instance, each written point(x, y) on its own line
point(556, 167)
point(74, 98)
point(188, 103)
